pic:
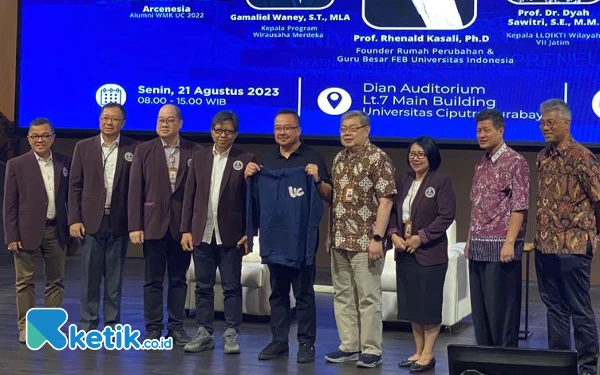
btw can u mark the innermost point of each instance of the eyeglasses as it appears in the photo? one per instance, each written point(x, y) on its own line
point(168, 121)
point(43, 137)
point(351, 129)
point(550, 123)
point(285, 129)
point(109, 119)
point(227, 132)
point(416, 155)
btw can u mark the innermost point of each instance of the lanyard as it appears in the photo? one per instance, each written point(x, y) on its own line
point(108, 155)
point(104, 159)
point(172, 157)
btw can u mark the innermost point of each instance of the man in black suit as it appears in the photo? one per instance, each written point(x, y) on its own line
point(434, 14)
point(213, 227)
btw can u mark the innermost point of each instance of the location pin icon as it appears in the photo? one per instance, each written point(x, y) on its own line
point(334, 99)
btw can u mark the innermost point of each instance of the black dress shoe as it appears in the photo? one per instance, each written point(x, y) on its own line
point(180, 336)
point(422, 368)
point(274, 350)
point(152, 334)
point(406, 363)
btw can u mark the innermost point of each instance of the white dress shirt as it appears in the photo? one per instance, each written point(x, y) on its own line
point(408, 201)
point(109, 162)
point(212, 223)
point(439, 14)
point(172, 155)
point(47, 169)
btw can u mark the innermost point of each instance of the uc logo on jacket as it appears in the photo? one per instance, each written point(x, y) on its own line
point(295, 192)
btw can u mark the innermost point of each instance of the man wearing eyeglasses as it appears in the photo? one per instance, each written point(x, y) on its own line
point(290, 153)
point(213, 226)
point(35, 218)
point(363, 190)
point(158, 176)
point(568, 222)
point(98, 189)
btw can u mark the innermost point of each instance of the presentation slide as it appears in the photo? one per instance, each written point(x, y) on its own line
point(416, 67)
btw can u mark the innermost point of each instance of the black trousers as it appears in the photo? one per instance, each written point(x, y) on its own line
point(564, 286)
point(302, 281)
point(160, 255)
point(207, 257)
point(496, 302)
point(102, 256)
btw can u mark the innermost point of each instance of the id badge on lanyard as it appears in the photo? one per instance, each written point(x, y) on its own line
point(348, 193)
point(407, 229)
point(173, 175)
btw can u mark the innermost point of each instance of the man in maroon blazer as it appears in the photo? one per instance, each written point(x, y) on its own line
point(213, 227)
point(99, 186)
point(158, 176)
point(35, 218)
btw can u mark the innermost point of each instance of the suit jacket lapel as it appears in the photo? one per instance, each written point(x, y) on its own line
point(208, 171)
point(37, 172)
point(159, 157)
point(418, 197)
point(184, 155)
point(58, 171)
point(227, 172)
point(97, 157)
point(120, 156)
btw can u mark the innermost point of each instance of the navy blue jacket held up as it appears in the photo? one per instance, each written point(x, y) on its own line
point(285, 205)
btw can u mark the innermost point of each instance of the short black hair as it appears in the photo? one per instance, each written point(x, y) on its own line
point(289, 112)
point(493, 115)
point(226, 115)
point(115, 105)
point(431, 150)
point(41, 121)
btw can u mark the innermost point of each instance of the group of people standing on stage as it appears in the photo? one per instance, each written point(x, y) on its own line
point(185, 202)
point(567, 226)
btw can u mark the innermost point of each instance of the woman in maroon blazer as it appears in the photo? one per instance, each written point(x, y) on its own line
point(423, 210)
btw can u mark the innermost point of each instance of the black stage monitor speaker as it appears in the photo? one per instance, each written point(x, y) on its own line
point(484, 360)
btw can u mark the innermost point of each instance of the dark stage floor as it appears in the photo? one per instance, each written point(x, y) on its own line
point(18, 359)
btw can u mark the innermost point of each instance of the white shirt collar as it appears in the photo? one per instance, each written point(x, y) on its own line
point(116, 142)
point(39, 158)
point(166, 145)
point(223, 154)
point(499, 152)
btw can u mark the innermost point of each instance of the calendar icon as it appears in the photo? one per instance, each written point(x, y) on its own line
point(110, 93)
